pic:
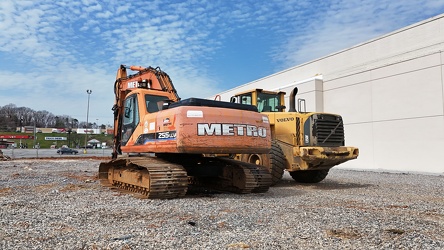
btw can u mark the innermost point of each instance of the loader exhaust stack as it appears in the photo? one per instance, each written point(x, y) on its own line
point(293, 100)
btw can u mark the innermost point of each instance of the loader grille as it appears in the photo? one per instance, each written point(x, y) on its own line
point(329, 130)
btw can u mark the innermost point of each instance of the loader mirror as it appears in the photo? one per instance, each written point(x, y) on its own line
point(300, 103)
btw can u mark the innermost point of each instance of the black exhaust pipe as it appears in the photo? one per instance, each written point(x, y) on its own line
point(293, 100)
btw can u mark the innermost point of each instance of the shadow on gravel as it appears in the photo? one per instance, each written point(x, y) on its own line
point(202, 192)
point(333, 185)
point(199, 192)
point(324, 185)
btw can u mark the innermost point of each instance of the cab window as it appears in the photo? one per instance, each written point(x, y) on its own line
point(154, 103)
point(130, 118)
point(267, 102)
point(246, 99)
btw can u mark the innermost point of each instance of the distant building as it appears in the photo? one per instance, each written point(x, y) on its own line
point(89, 131)
point(28, 129)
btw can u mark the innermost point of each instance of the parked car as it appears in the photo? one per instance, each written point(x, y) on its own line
point(67, 151)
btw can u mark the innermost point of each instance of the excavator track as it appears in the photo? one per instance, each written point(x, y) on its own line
point(151, 177)
point(237, 177)
point(262, 177)
point(158, 178)
point(258, 179)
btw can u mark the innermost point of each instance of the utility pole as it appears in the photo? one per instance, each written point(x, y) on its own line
point(88, 91)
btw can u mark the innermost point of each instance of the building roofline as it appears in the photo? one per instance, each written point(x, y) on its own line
point(414, 25)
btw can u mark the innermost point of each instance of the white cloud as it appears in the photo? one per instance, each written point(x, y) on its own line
point(106, 14)
point(92, 8)
point(342, 23)
point(122, 9)
point(61, 48)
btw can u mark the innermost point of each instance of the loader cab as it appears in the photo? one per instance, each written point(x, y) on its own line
point(265, 101)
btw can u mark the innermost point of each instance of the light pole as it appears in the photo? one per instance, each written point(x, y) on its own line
point(33, 118)
point(35, 138)
point(74, 123)
point(21, 120)
point(88, 91)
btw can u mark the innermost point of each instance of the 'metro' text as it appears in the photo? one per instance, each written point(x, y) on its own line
point(221, 129)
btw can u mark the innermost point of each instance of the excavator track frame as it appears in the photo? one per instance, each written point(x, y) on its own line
point(148, 176)
point(233, 176)
point(157, 178)
point(257, 179)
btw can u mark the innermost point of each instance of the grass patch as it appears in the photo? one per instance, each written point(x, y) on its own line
point(74, 139)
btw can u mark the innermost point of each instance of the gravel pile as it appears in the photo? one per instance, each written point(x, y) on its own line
point(4, 157)
point(58, 204)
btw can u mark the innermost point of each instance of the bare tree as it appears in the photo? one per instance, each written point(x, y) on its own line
point(9, 117)
point(12, 117)
point(42, 118)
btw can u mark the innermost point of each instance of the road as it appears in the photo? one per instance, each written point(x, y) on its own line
point(40, 153)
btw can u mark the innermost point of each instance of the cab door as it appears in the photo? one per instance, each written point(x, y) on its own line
point(131, 118)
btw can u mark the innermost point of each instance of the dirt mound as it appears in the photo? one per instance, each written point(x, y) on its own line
point(4, 157)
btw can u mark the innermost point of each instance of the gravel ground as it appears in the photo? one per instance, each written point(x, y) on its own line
point(58, 204)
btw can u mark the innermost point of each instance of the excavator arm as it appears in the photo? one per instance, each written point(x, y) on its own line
point(147, 78)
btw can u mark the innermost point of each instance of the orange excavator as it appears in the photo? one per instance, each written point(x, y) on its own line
point(163, 144)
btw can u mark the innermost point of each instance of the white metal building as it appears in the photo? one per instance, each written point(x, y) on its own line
point(390, 92)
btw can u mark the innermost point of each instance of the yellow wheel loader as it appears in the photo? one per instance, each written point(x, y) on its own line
point(306, 144)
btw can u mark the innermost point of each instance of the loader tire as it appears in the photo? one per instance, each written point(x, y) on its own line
point(275, 161)
point(309, 176)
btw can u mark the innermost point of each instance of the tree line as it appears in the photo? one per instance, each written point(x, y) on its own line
point(12, 117)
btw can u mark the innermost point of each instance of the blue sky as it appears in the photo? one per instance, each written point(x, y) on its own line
point(51, 52)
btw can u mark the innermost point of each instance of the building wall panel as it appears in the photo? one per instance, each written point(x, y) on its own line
point(361, 136)
point(354, 102)
point(414, 94)
point(409, 145)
